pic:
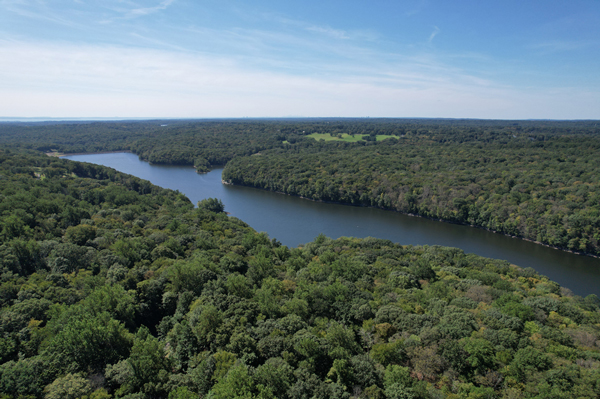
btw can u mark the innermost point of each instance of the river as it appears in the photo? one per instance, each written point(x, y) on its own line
point(294, 221)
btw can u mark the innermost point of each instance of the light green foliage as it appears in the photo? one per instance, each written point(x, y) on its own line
point(205, 320)
point(71, 386)
point(237, 384)
point(395, 374)
point(148, 367)
point(100, 393)
point(80, 234)
point(388, 353)
point(481, 354)
point(182, 393)
point(532, 327)
point(527, 360)
point(113, 299)
point(238, 285)
point(25, 377)
point(223, 362)
point(346, 137)
point(269, 296)
point(190, 275)
point(397, 382)
point(276, 374)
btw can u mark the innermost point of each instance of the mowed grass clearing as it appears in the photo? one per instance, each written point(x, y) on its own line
point(345, 137)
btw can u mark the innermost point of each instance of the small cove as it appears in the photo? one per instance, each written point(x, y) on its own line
point(294, 221)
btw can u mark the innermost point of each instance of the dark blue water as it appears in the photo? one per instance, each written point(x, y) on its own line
point(294, 221)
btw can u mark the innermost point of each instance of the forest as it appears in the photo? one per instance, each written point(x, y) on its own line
point(111, 287)
point(537, 180)
point(544, 188)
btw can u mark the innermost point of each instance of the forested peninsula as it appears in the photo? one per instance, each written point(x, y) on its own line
point(111, 287)
point(537, 180)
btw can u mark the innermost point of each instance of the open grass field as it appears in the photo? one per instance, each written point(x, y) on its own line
point(345, 137)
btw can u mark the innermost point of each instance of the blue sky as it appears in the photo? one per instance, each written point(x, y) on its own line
point(206, 59)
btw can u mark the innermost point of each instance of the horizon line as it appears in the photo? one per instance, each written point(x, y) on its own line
point(8, 119)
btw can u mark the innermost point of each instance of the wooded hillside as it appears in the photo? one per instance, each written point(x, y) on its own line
point(114, 288)
point(544, 188)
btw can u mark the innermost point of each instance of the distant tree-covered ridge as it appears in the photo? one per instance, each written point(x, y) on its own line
point(111, 287)
point(203, 145)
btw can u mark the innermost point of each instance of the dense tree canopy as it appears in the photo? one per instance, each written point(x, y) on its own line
point(542, 185)
point(537, 180)
point(111, 287)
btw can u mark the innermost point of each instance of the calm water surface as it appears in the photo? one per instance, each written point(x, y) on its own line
point(294, 221)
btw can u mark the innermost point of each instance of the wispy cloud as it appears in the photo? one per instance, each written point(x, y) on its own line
point(129, 11)
point(435, 32)
point(157, 43)
point(324, 30)
point(103, 12)
point(255, 64)
point(557, 46)
point(335, 33)
point(36, 10)
point(69, 80)
point(417, 8)
point(285, 49)
point(149, 10)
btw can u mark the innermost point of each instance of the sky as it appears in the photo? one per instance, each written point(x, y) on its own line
point(328, 58)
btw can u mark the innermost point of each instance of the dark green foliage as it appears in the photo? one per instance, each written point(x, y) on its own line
point(212, 204)
point(532, 179)
point(26, 377)
point(540, 184)
point(145, 297)
point(527, 360)
point(83, 342)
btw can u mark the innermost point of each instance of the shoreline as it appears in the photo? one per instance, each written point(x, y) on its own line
point(591, 255)
point(61, 154)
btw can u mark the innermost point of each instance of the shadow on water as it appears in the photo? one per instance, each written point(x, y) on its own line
point(294, 221)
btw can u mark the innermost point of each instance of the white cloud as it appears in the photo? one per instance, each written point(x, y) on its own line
point(94, 81)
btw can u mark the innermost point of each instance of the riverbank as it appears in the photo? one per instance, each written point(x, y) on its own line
point(61, 154)
point(293, 221)
point(580, 253)
point(567, 250)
